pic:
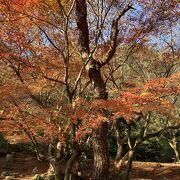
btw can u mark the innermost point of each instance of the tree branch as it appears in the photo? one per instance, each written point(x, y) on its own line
point(158, 133)
point(113, 36)
point(79, 75)
point(55, 80)
point(81, 13)
point(50, 40)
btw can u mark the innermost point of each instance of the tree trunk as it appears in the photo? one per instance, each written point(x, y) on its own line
point(122, 161)
point(129, 165)
point(101, 155)
point(55, 154)
point(173, 144)
point(54, 169)
point(119, 151)
point(100, 145)
point(70, 164)
point(119, 129)
point(176, 154)
point(125, 175)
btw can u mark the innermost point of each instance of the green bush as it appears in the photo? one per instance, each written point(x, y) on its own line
point(155, 151)
point(148, 151)
point(3, 144)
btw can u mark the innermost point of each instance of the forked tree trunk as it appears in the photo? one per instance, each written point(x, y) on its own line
point(100, 145)
point(123, 161)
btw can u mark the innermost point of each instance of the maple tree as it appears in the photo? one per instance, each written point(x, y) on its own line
point(58, 55)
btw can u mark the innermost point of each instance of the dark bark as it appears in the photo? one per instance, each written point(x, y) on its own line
point(100, 145)
point(70, 164)
point(75, 152)
point(81, 14)
point(101, 155)
point(119, 128)
point(97, 80)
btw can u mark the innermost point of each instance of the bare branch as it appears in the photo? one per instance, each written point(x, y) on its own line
point(32, 17)
point(113, 36)
point(102, 22)
point(160, 132)
point(80, 74)
point(50, 40)
point(71, 8)
point(55, 80)
point(61, 7)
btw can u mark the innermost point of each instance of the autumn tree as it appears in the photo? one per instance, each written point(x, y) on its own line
point(65, 46)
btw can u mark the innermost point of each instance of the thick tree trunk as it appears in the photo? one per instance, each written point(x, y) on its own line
point(100, 145)
point(101, 155)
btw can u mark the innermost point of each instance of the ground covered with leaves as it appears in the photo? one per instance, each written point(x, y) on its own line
point(25, 166)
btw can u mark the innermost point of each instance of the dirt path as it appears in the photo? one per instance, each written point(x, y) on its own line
point(24, 165)
point(155, 171)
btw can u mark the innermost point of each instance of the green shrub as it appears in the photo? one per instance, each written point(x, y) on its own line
point(3, 144)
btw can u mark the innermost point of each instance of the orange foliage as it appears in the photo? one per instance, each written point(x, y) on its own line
point(150, 97)
point(28, 56)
